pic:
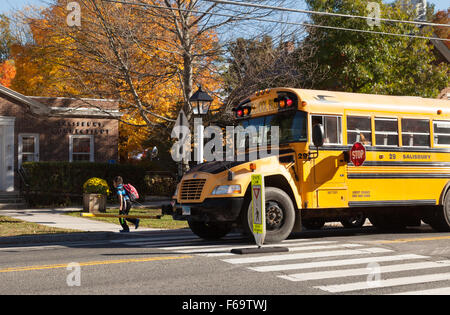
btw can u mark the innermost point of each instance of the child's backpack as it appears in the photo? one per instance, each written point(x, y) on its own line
point(131, 192)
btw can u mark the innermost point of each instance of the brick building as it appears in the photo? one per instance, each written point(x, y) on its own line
point(54, 129)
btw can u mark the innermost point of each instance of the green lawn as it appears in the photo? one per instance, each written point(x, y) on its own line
point(166, 221)
point(15, 227)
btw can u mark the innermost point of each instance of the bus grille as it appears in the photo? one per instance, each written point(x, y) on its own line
point(191, 189)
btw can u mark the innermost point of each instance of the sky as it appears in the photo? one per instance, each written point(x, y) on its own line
point(7, 5)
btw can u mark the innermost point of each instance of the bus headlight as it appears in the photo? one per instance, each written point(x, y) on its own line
point(227, 189)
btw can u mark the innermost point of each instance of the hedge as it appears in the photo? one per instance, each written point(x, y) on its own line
point(61, 183)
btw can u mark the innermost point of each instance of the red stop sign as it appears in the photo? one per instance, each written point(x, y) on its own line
point(358, 154)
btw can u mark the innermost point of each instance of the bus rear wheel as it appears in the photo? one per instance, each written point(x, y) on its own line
point(440, 216)
point(280, 215)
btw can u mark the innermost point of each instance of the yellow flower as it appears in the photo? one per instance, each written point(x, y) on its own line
point(96, 185)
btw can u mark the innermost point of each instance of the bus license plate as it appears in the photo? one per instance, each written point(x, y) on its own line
point(185, 210)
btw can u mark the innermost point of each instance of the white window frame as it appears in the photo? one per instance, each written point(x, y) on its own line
point(91, 144)
point(387, 133)
point(439, 134)
point(416, 133)
point(359, 131)
point(20, 147)
point(340, 136)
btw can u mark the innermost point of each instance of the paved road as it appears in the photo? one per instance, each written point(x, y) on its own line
point(333, 261)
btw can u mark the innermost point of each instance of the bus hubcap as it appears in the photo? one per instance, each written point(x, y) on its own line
point(274, 215)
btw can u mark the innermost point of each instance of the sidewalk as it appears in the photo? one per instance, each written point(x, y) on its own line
point(54, 217)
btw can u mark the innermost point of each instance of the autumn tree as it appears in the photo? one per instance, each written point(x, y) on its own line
point(7, 67)
point(7, 72)
point(149, 55)
point(442, 17)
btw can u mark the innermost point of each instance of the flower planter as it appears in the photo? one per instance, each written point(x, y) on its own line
point(94, 203)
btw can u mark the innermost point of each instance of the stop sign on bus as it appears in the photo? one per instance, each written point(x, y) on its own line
point(358, 154)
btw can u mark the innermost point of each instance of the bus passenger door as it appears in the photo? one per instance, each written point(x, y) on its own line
point(329, 168)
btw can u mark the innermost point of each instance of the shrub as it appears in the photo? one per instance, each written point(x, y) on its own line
point(96, 185)
point(61, 183)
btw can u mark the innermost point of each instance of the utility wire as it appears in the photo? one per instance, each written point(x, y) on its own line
point(277, 21)
point(269, 7)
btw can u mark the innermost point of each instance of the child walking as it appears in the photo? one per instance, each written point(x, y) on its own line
point(124, 205)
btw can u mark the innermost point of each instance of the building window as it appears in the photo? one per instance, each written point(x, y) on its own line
point(416, 132)
point(81, 148)
point(28, 149)
point(359, 129)
point(386, 131)
point(441, 132)
point(331, 126)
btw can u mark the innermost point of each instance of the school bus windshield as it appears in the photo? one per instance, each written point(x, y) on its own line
point(292, 127)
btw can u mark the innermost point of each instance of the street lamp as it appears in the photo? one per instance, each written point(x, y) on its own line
point(200, 103)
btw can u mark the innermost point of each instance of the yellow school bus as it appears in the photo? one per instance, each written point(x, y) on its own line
point(313, 178)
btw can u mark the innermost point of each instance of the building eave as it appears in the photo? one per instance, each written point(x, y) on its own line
point(35, 106)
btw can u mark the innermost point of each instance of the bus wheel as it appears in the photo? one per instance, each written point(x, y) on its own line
point(354, 222)
point(210, 230)
point(280, 216)
point(440, 217)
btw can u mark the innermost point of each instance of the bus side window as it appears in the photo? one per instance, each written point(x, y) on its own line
point(441, 132)
point(386, 131)
point(359, 129)
point(415, 132)
point(332, 126)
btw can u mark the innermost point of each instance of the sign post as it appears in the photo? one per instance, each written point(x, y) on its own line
point(258, 209)
point(258, 204)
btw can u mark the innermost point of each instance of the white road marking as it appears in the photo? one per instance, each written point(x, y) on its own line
point(348, 287)
point(335, 263)
point(438, 291)
point(341, 273)
point(283, 257)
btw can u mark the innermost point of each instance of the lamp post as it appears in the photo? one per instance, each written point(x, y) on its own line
point(200, 102)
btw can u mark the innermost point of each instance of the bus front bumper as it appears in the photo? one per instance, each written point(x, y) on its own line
point(210, 210)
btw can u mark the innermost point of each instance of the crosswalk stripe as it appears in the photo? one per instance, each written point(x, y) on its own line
point(334, 263)
point(217, 252)
point(340, 273)
point(283, 257)
point(348, 287)
point(438, 291)
point(219, 247)
point(306, 248)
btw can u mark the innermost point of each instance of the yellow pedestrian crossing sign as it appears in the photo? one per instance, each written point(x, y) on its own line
point(258, 209)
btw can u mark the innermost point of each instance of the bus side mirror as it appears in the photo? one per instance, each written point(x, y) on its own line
point(317, 135)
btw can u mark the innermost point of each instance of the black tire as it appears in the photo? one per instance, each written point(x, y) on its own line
point(210, 230)
point(280, 215)
point(354, 222)
point(440, 216)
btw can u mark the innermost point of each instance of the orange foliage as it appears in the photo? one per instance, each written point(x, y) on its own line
point(443, 17)
point(81, 62)
point(7, 72)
